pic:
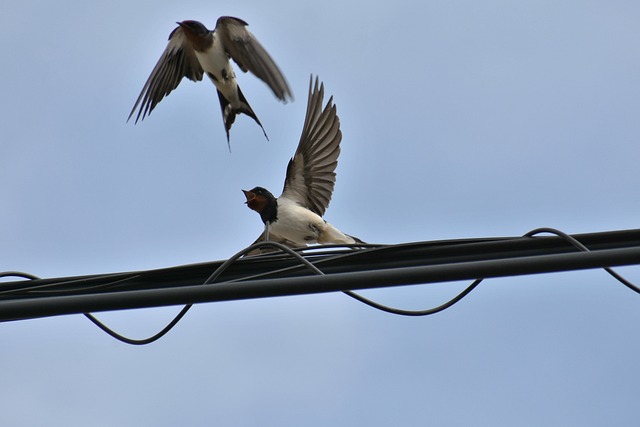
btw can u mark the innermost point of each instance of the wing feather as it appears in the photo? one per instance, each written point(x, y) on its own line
point(311, 172)
point(177, 61)
point(249, 54)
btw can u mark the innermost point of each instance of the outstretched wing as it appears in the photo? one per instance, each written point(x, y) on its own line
point(249, 54)
point(177, 61)
point(311, 172)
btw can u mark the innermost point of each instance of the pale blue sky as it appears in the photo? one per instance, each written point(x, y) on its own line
point(459, 119)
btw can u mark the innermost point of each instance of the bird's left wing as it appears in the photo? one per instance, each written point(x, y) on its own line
point(311, 172)
point(177, 61)
point(249, 54)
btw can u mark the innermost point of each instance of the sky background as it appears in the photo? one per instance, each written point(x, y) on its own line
point(459, 119)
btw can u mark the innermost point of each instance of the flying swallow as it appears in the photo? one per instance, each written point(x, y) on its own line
point(295, 218)
point(193, 50)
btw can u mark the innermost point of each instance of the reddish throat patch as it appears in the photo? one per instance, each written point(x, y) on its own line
point(256, 202)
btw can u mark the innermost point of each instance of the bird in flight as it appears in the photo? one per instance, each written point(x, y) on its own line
point(295, 218)
point(194, 50)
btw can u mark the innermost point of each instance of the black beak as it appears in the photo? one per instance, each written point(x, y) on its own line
point(249, 195)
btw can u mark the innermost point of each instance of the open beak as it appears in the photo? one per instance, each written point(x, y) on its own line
point(249, 195)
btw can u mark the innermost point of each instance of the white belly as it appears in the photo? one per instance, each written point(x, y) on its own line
point(215, 63)
point(303, 227)
point(297, 224)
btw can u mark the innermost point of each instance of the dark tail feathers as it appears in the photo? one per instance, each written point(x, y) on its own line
point(357, 240)
point(229, 113)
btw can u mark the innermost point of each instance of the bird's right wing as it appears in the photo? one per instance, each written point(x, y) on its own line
point(177, 61)
point(249, 54)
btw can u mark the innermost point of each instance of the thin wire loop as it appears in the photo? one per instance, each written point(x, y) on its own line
point(18, 274)
point(295, 253)
point(583, 248)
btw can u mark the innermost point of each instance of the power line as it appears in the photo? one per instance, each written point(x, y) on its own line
point(341, 269)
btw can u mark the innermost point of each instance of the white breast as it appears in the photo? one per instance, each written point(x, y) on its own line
point(214, 61)
point(297, 224)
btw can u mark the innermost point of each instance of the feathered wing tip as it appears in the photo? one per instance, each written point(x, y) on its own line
point(311, 172)
point(229, 113)
point(178, 60)
point(314, 103)
point(242, 46)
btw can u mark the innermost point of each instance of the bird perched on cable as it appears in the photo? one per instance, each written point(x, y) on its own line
point(295, 218)
point(193, 50)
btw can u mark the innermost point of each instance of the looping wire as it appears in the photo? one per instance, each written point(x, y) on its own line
point(295, 253)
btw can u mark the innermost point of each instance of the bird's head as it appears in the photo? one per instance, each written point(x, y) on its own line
point(194, 28)
point(257, 198)
point(262, 201)
point(199, 36)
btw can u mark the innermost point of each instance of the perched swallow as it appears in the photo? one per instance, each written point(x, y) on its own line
point(295, 218)
point(194, 50)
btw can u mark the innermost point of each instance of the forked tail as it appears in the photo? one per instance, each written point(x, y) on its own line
point(229, 113)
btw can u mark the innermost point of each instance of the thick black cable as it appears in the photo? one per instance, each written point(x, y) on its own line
point(374, 304)
point(570, 239)
point(573, 241)
point(385, 308)
point(210, 280)
point(104, 327)
point(178, 317)
point(46, 287)
point(295, 253)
